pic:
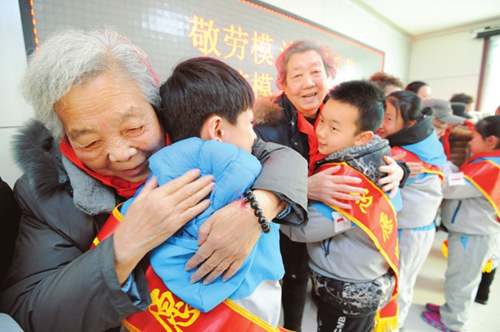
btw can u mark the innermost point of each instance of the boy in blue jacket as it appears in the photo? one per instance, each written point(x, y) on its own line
point(206, 108)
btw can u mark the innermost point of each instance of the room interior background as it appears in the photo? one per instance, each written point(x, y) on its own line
point(170, 31)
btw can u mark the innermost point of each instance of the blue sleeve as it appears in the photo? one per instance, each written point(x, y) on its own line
point(130, 288)
point(284, 212)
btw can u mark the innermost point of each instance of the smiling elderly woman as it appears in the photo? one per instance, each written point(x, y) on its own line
point(95, 96)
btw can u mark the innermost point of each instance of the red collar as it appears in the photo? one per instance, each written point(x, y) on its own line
point(307, 128)
point(123, 188)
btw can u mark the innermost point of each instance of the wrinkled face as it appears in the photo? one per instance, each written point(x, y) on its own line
point(392, 123)
point(242, 134)
point(424, 92)
point(440, 127)
point(111, 127)
point(477, 144)
point(306, 82)
point(337, 128)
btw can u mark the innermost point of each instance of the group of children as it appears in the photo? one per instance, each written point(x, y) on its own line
point(409, 129)
point(364, 261)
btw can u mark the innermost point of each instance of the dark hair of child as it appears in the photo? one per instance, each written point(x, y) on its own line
point(415, 86)
point(367, 97)
point(462, 98)
point(199, 88)
point(408, 104)
point(489, 126)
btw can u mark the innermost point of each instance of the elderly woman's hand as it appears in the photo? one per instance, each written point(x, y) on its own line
point(328, 188)
point(156, 214)
point(228, 236)
point(394, 175)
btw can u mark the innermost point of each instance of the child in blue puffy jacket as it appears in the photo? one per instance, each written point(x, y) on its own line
point(206, 107)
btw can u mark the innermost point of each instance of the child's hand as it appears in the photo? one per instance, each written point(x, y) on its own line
point(394, 172)
point(329, 189)
point(415, 167)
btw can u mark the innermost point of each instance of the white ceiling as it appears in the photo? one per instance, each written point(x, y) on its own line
point(417, 18)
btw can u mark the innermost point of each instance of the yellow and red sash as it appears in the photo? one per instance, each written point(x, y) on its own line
point(169, 313)
point(485, 176)
point(375, 215)
point(411, 157)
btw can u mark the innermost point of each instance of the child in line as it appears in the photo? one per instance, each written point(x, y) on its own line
point(471, 213)
point(408, 127)
point(353, 253)
point(206, 109)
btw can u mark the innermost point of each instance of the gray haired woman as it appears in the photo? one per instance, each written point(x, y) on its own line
point(95, 97)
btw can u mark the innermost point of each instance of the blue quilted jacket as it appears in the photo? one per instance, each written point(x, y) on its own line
point(234, 170)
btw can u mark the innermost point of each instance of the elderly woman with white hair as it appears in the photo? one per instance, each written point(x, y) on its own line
point(95, 97)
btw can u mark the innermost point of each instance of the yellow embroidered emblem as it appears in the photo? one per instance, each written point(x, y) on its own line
point(171, 314)
point(386, 225)
point(365, 201)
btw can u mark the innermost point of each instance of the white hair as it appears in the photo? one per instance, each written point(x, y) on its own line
point(71, 56)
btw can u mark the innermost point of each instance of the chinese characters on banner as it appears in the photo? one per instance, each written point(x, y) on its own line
point(255, 46)
point(247, 35)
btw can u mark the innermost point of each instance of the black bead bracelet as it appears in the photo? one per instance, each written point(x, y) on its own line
point(250, 197)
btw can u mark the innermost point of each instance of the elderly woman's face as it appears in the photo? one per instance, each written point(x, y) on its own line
point(111, 127)
point(306, 82)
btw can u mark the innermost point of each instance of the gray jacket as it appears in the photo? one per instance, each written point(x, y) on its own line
point(337, 248)
point(466, 210)
point(55, 283)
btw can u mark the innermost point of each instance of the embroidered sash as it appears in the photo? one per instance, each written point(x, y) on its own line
point(376, 216)
point(484, 174)
point(169, 313)
point(411, 157)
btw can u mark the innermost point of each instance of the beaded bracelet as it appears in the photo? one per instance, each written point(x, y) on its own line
point(250, 197)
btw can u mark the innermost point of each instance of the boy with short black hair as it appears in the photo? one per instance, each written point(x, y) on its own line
point(353, 254)
point(206, 109)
